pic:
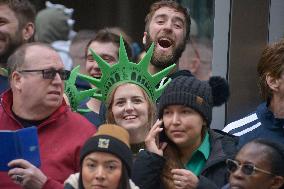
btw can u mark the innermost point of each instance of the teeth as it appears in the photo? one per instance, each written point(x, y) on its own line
point(130, 117)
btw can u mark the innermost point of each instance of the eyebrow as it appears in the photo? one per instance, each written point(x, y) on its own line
point(175, 18)
point(101, 55)
point(122, 98)
point(109, 161)
point(160, 16)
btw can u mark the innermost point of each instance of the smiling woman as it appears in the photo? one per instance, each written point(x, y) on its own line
point(130, 107)
point(130, 93)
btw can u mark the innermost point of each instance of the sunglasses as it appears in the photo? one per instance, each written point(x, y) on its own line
point(246, 168)
point(51, 73)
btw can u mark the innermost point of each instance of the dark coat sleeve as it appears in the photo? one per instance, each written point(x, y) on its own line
point(205, 183)
point(68, 186)
point(147, 170)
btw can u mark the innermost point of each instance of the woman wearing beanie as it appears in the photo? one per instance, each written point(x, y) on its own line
point(182, 151)
point(106, 161)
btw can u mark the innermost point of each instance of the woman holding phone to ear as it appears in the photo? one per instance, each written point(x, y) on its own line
point(193, 156)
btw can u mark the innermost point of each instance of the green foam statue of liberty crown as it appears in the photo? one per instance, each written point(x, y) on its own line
point(4, 71)
point(127, 72)
point(74, 95)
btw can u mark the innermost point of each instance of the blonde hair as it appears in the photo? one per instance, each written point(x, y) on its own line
point(151, 107)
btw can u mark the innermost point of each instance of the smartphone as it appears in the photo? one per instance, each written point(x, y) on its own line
point(162, 136)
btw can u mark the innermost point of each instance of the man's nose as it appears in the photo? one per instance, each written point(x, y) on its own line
point(167, 26)
point(57, 79)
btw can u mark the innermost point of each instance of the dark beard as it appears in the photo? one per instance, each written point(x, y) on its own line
point(12, 45)
point(166, 60)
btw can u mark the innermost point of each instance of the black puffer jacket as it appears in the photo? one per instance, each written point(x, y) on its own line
point(148, 166)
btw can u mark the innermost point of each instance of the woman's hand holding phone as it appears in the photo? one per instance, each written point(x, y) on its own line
point(152, 140)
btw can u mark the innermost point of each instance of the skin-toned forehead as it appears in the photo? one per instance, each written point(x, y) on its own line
point(96, 156)
point(166, 11)
point(253, 153)
point(7, 12)
point(103, 47)
point(39, 53)
point(128, 86)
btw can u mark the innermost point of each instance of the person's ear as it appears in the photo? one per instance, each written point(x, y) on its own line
point(277, 182)
point(194, 65)
point(144, 38)
point(28, 31)
point(16, 80)
point(272, 82)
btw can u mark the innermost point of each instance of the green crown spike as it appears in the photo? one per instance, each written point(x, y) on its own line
point(127, 72)
point(4, 71)
point(75, 96)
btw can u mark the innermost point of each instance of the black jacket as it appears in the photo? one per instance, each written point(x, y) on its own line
point(148, 166)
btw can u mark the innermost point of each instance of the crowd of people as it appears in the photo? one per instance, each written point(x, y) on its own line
point(116, 122)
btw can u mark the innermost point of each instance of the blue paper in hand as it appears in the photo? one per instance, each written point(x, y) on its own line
point(19, 144)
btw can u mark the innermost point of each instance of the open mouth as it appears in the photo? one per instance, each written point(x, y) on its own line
point(97, 75)
point(96, 72)
point(165, 42)
point(130, 117)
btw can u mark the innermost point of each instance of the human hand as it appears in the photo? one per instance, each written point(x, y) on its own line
point(26, 174)
point(184, 179)
point(150, 141)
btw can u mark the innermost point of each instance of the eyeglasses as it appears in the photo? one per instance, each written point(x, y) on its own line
point(51, 73)
point(246, 168)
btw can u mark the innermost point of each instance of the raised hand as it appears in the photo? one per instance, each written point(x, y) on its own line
point(152, 142)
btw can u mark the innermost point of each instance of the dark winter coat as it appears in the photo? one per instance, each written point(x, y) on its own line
point(148, 166)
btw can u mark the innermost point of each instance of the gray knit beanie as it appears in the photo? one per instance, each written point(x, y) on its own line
point(201, 96)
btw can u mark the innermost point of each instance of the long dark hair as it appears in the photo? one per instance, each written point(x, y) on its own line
point(172, 155)
point(124, 179)
point(123, 183)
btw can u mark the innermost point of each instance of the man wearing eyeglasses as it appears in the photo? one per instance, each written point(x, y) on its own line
point(36, 76)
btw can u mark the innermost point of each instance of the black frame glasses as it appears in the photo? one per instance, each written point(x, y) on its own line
point(246, 168)
point(51, 73)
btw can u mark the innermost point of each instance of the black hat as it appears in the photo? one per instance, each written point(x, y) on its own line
point(198, 95)
point(111, 139)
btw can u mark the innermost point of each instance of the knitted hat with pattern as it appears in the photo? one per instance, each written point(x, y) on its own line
point(110, 139)
point(201, 96)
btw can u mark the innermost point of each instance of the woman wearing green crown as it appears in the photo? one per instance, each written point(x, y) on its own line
point(130, 107)
point(130, 94)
